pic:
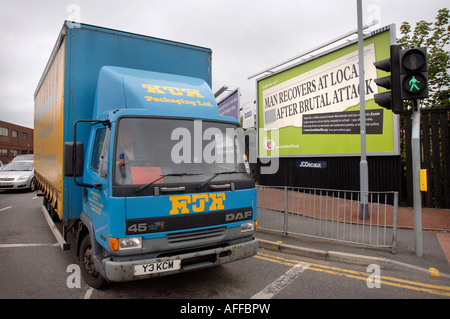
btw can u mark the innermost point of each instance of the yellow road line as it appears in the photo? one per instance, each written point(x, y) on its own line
point(386, 280)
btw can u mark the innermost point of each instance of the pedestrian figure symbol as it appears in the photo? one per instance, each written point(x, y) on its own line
point(413, 84)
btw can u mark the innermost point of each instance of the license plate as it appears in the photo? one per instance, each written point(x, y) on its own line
point(157, 267)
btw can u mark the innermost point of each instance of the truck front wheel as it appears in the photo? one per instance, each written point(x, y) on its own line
point(92, 277)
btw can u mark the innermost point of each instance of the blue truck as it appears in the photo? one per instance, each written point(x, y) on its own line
point(134, 160)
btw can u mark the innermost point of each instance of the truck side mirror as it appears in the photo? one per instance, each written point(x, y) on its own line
point(70, 161)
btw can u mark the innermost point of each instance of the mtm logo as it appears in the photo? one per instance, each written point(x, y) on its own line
point(197, 203)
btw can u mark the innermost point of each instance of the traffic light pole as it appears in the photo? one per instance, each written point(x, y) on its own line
point(363, 166)
point(408, 81)
point(415, 144)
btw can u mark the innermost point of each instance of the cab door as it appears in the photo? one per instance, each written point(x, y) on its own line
point(95, 202)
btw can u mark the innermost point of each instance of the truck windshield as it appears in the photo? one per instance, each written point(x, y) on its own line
point(177, 151)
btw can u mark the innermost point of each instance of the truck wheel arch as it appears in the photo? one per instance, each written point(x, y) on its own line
point(87, 228)
point(81, 233)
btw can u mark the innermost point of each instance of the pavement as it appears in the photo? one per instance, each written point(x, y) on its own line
point(435, 259)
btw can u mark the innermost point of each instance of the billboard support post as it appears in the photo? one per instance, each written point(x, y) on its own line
point(363, 166)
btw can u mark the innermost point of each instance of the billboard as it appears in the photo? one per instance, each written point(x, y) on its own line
point(248, 115)
point(312, 109)
point(229, 106)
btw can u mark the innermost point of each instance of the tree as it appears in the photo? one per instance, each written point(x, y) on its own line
point(437, 38)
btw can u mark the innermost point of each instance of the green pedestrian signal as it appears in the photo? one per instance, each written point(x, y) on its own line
point(414, 73)
point(413, 83)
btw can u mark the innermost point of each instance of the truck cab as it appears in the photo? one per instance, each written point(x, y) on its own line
point(165, 179)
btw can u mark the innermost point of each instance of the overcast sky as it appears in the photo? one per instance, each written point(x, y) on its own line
point(246, 36)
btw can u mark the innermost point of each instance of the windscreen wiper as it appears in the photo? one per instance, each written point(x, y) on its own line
point(161, 177)
point(217, 174)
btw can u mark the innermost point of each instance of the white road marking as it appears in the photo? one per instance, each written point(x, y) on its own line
point(24, 245)
point(27, 245)
point(54, 229)
point(282, 282)
point(88, 293)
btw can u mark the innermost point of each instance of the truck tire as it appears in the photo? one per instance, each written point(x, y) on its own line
point(92, 277)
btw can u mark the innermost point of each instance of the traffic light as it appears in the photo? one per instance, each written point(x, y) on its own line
point(414, 73)
point(391, 99)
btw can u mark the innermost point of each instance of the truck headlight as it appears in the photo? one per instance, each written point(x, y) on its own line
point(117, 244)
point(249, 226)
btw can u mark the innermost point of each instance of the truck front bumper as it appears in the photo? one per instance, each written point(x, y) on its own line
point(129, 270)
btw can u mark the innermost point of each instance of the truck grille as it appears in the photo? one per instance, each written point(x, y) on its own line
point(195, 235)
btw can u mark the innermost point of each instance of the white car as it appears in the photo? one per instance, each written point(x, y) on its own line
point(18, 175)
point(23, 157)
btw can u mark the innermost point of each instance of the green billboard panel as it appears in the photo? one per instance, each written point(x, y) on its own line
point(312, 109)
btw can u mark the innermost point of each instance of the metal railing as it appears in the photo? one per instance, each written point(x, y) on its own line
point(329, 214)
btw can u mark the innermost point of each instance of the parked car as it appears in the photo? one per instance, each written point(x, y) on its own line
point(24, 157)
point(18, 174)
point(1, 165)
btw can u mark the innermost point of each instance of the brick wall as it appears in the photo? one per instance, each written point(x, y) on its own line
point(14, 140)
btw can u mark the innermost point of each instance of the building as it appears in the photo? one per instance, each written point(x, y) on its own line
point(14, 140)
